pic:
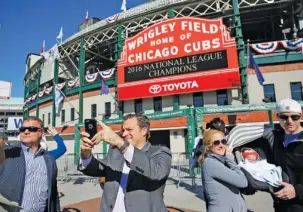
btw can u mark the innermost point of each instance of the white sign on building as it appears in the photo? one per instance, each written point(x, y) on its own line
point(14, 123)
point(5, 89)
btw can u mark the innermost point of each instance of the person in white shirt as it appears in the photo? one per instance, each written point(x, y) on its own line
point(135, 171)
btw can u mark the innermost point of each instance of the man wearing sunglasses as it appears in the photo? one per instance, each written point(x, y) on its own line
point(28, 174)
point(287, 152)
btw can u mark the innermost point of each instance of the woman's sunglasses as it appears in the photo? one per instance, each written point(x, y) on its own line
point(30, 129)
point(293, 117)
point(217, 142)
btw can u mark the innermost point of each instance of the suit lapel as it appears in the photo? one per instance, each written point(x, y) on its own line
point(131, 173)
point(118, 160)
point(49, 167)
point(116, 164)
point(22, 172)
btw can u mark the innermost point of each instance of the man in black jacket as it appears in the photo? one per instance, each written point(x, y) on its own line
point(287, 152)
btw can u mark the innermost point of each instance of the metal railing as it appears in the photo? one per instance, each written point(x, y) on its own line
point(180, 172)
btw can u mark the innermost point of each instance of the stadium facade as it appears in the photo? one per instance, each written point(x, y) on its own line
point(179, 62)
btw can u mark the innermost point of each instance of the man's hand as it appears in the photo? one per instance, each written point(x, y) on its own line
point(86, 146)
point(51, 130)
point(288, 192)
point(107, 135)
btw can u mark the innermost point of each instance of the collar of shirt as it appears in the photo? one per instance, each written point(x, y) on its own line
point(288, 139)
point(28, 149)
point(217, 157)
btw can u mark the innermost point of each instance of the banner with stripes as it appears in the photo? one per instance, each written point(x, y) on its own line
point(112, 19)
point(91, 77)
point(107, 74)
point(265, 48)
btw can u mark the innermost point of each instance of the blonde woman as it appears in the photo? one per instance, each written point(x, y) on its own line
point(221, 177)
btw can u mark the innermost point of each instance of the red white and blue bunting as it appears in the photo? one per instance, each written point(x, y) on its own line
point(48, 90)
point(61, 85)
point(270, 47)
point(107, 74)
point(91, 77)
point(34, 97)
point(292, 45)
point(265, 48)
point(72, 83)
point(112, 19)
point(41, 93)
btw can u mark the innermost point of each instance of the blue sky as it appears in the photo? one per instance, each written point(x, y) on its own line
point(25, 24)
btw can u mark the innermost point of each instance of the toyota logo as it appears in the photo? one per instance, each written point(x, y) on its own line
point(154, 89)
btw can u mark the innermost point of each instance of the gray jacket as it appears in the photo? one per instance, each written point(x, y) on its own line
point(149, 171)
point(222, 179)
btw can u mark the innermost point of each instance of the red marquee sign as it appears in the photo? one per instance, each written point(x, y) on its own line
point(180, 55)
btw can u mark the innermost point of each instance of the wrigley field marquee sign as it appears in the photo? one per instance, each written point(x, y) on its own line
point(179, 55)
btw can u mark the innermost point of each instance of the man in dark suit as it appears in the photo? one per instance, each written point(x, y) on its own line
point(28, 173)
point(135, 171)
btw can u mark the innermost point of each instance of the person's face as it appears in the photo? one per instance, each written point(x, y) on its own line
point(31, 133)
point(132, 132)
point(251, 158)
point(218, 144)
point(290, 121)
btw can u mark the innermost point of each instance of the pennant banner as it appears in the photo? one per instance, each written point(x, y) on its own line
point(112, 19)
point(91, 77)
point(41, 93)
point(34, 97)
point(107, 74)
point(48, 90)
point(265, 48)
point(271, 47)
point(292, 45)
point(72, 83)
point(61, 85)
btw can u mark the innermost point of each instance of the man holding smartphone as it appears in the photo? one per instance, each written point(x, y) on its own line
point(135, 171)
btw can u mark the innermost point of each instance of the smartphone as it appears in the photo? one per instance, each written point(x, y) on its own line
point(90, 127)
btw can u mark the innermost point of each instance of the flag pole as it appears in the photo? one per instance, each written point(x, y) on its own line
point(56, 87)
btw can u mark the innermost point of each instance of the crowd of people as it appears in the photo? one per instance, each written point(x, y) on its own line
point(134, 172)
point(224, 180)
